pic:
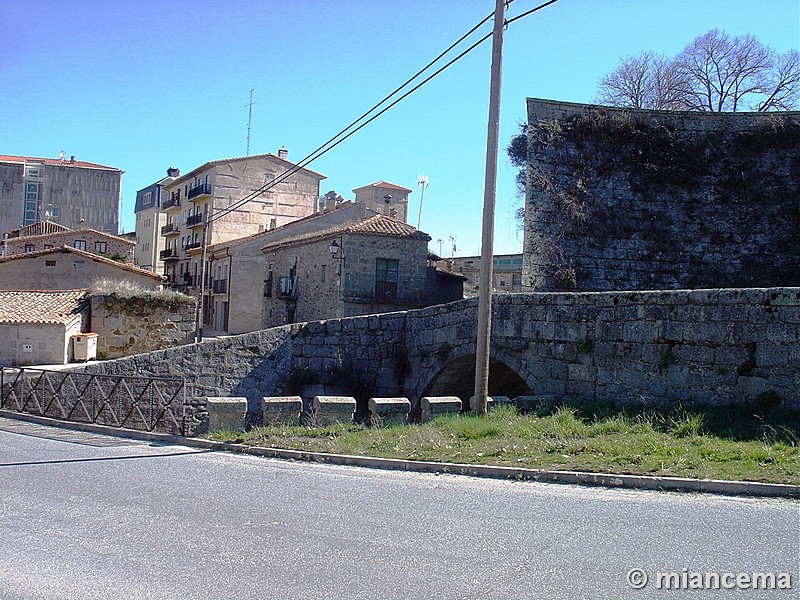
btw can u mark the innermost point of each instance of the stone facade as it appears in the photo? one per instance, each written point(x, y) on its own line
point(385, 199)
point(381, 265)
point(621, 199)
point(66, 268)
point(706, 346)
point(208, 190)
point(90, 240)
point(140, 324)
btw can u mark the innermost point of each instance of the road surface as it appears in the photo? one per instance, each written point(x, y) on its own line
point(89, 516)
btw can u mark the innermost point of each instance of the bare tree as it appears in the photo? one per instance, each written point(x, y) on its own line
point(713, 73)
point(645, 81)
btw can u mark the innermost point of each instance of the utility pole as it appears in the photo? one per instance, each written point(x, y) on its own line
point(198, 318)
point(489, 196)
point(249, 120)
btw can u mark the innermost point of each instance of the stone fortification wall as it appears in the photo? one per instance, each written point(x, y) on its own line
point(127, 326)
point(642, 200)
point(708, 346)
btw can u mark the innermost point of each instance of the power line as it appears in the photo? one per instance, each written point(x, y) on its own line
point(337, 139)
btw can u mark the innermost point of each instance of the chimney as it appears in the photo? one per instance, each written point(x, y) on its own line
point(173, 172)
point(72, 158)
point(283, 152)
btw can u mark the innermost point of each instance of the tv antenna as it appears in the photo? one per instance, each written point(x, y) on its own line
point(249, 120)
point(421, 181)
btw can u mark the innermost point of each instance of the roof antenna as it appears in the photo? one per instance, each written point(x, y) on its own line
point(249, 120)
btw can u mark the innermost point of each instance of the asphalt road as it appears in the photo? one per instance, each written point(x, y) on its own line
point(95, 517)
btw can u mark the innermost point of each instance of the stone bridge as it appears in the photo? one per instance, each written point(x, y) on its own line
point(708, 346)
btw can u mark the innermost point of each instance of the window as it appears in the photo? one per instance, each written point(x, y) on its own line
point(101, 247)
point(30, 247)
point(48, 246)
point(322, 273)
point(54, 212)
point(49, 263)
point(386, 279)
point(80, 244)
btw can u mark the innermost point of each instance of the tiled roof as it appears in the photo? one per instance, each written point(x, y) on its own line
point(383, 225)
point(42, 237)
point(38, 228)
point(40, 306)
point(383, 184)
point(83, 254)
point(54, 162)
point(378, 225)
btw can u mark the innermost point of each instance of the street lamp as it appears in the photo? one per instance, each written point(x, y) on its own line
point(337, 254)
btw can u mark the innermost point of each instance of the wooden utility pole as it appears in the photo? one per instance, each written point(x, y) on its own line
point(489, 194)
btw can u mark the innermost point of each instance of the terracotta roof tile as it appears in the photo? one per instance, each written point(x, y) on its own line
point(383, 184)
point(40, 306)
point(84, 254)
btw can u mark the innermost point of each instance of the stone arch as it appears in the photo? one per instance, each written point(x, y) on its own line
point(457, 378)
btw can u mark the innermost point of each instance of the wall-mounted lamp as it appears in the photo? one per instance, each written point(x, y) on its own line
point(334, 249)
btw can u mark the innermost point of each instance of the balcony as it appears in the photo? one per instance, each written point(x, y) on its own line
point(201, 189)
point(169, 229)
point(194, 220)
point(220, 286)
point(192, 246)
point(173, 200)
point(168, 254)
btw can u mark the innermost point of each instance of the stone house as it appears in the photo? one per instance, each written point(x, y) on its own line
point(67, 268)
point(71, 192)
point(234, 290)
point(36, 327)
point(371, 265)
point(29, 239)
point(211, 193)
point(385, 198)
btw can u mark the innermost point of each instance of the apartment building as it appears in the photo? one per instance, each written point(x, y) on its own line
point(150, 219)
point(212, 193)
point(70, 192)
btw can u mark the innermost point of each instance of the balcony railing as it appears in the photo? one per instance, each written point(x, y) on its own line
point(220, 286)
point(173, 200)
point(168, 254)
point(194, 220)
point(200, 189)
point(192, 246)
point(169, 228)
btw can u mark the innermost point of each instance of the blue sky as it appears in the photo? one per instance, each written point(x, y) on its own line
point(150, 84)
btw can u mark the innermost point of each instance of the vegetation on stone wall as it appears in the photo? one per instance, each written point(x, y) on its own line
point(127, 295)
point(599, 161)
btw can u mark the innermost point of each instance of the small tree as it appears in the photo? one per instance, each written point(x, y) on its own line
point(715, 72)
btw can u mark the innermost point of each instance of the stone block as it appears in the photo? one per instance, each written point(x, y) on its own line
point(333, 409)
point(436, 406)
point(226, 413)
point(389, 411)
point(528, 403)
point(281, 410)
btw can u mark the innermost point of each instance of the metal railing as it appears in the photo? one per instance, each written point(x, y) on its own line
point(199, 190)
point(143, 403)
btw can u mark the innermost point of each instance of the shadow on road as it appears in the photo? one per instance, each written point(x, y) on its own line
point(101, 458)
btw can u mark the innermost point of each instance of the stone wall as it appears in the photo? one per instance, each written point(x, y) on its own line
point(144, 323)
point(703, 346)
point(642, 200)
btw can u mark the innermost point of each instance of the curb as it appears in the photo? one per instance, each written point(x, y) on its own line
point(638, 482)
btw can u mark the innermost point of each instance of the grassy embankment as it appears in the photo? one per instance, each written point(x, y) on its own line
point(733, 443)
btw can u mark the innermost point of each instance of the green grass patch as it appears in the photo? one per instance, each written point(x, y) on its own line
point(735, 443)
